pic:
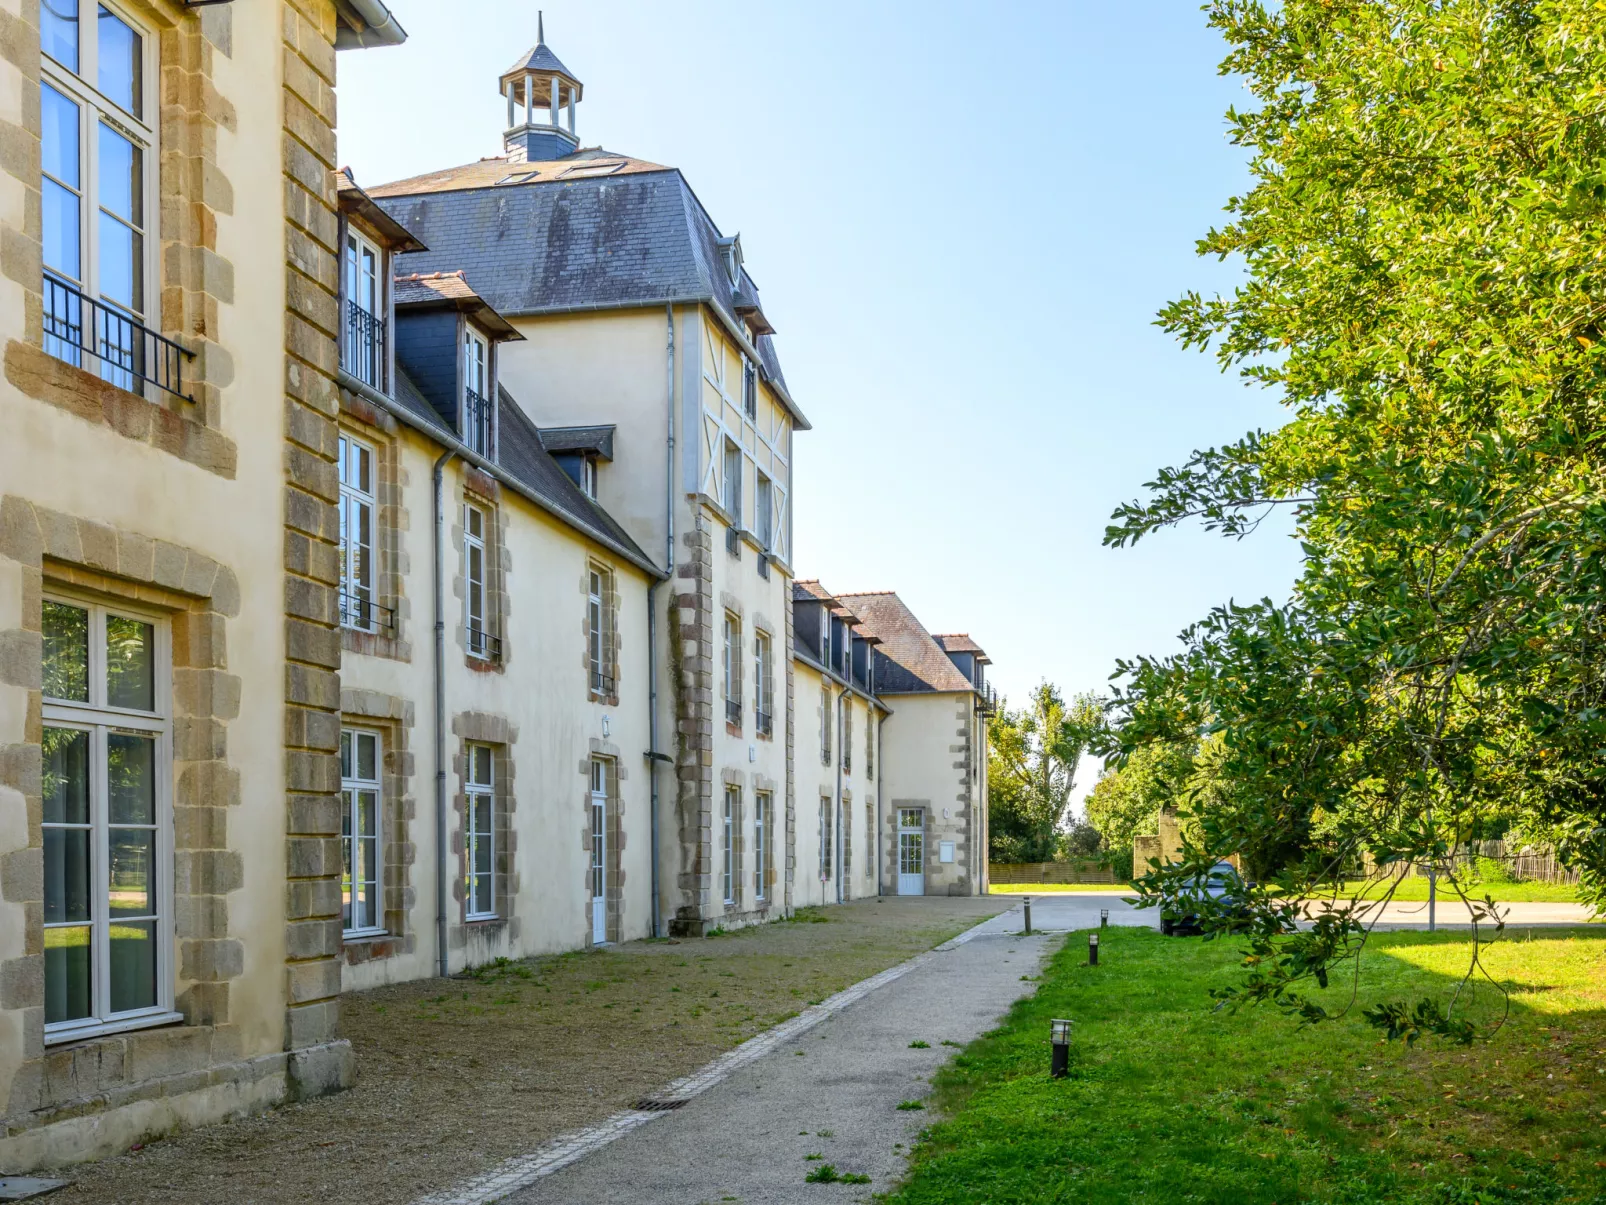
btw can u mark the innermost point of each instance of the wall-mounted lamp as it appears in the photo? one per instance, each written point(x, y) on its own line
point(1059, 1035)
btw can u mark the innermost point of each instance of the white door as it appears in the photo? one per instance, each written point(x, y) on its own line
point(599, 852)
point(911, 851)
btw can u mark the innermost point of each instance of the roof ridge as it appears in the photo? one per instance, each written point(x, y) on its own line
point(457, 272)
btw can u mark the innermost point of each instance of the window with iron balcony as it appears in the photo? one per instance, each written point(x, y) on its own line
point(479, 409)
point(98, 157)
point(363, 351)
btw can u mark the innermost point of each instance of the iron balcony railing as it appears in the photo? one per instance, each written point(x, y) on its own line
point(128, 353)
point(363, 350)
point(479, 424)
point(364, 614)
point(601, 684)
point(766, 723)
point(986, 698)
point(733, 541)
point(733, 710)
point(484, 645)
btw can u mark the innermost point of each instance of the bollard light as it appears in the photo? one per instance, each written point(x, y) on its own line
point(1028, 914)
point(1104, 918)
point(1059, 1034)
point(1092, 949)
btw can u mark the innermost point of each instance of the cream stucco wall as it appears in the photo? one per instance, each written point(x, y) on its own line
point(62, 458)
point(818, 787)
point(541, 691)
point(925, 763)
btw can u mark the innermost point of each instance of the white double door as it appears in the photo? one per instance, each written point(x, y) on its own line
point(911, 851)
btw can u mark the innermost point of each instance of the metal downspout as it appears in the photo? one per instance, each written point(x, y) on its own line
point(442, 957)
point(880, 820)
point(654, 754)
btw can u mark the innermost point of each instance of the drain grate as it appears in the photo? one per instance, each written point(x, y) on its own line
point(648, 1105)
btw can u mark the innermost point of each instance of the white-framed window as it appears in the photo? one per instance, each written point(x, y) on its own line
point(106, 819)
point(478, 412)
point(602, 682)
point(869, 836)
point(825, 839)
point(749, 388)
point(357, 511)
point(481, 643)
point(363, 281)
point(599, 850)
point(360, 802)
point(764, 512)
point(733, 669)
point(588, 477)
point(762, 805)
point(825, 723)
point(729, 838)
point(847, 734)
point(479, 824)
point(98, 155)
point(869, 743)
point(763, 684)
point(732, 501)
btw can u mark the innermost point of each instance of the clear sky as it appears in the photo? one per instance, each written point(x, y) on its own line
point(963, 218)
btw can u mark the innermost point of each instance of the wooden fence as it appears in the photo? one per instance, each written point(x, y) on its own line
point(1012, 873)
point(1527, 863)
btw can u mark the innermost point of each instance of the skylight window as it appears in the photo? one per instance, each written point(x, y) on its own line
point(594, 167)
point(519, 177)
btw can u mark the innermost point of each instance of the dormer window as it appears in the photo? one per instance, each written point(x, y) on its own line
point(363, 347)
point(479, 412)
point(588, 477)
point(732, 248)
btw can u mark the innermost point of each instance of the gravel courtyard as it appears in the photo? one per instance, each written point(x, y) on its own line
point(455, 1075)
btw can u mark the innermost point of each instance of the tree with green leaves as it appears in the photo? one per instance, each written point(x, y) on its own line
point(1032, 758)
point(1425, 255)
point(1127, 800)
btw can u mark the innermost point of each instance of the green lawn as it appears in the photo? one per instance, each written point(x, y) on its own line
point(1169, 1101)
point(1052, 888)
point(1414, 889)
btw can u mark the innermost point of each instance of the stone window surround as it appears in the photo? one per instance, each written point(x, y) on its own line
point(847, 835)
point(481, 728)
point(617, 838)
point(610, 629)
point(767, 786)
point(393, 719)
point(762, 626)
point(193, 281)
point(738, 780)
point(890, 861)
point(199, 596)
point(826, 828)
point(380, 431)
point(481, 490)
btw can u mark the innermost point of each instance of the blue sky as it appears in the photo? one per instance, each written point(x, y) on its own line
point(963, 218)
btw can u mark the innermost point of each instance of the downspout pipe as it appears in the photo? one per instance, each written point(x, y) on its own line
point(881, 820)
point(442, 955)
point(654, 754)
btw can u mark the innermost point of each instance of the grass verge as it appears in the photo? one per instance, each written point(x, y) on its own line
point(1055, 888)
point(1415, 890)
point(1169, 1101)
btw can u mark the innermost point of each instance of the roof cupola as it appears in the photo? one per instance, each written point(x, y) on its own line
point(538, 88)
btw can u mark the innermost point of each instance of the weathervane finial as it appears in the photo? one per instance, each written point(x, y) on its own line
point(540, 27)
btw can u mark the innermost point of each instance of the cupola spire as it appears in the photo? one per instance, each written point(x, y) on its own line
point(538, 89)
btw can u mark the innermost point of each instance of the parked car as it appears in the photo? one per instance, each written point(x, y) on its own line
point(1221, 882)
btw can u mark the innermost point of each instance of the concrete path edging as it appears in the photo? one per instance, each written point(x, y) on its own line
point(552, 1156)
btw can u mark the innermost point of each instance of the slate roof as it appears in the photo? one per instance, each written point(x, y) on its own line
point(452, 290)
point(960, 642)
point(538, 239)
point(598, 439)
point(540, 59)
point(522, 457)
point(909, 660)
point(807, 588)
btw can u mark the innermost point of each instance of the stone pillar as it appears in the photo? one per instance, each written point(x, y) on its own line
point(311, 557)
